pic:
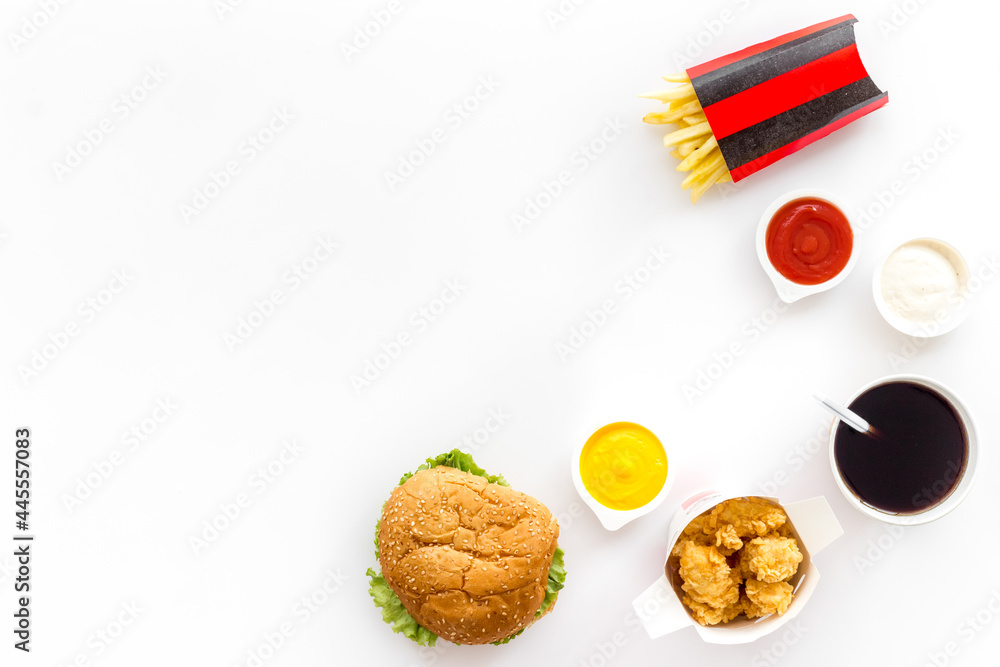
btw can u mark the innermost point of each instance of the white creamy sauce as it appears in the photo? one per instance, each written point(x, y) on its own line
point(920, 283)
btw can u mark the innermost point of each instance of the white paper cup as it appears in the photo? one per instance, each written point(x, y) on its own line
point(966, 475)
point(661, 611)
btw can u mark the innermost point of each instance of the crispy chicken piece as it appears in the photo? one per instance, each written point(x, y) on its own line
point(707, 577)
point(763, 598)
point(727, 540)
point(749, 608)
point(735, 559)
point(679, 547)
point(744, 565)
point(697, 526)
point(771, 559)
point(749, 517)
point(710, 615)
point(735, 575)
point(694, 532)
point(698, 532)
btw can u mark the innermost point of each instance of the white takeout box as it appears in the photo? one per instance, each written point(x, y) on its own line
point(661, 611)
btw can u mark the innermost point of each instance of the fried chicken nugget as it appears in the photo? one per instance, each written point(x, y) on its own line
point(771, 559)
point(710, 615)
point(735, 558)
point(693, 532)
point(707, 576)
point(763, 598)
point(749, 517)
point(744, 565)
point(727, 540)
point(696, 526)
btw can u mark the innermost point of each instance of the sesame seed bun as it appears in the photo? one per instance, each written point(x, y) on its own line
point(468, 559)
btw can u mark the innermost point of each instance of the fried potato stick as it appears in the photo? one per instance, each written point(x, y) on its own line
point(693, 142)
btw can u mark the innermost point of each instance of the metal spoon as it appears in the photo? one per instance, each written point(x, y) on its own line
point(850, 418)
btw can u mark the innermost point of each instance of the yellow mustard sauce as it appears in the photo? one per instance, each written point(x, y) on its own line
point(623, 466)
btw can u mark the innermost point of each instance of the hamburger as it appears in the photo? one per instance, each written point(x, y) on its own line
point(463, 556)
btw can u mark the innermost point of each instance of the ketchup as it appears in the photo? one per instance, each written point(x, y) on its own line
point(809, 241)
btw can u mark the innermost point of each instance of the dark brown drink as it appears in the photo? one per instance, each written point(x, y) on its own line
point(920, 457)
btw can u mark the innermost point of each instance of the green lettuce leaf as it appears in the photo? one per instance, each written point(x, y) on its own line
point(557, 579)
point(393, 611)
point(501, 642)
point(459, 460)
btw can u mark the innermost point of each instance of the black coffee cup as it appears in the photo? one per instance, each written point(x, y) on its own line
point(922, 464)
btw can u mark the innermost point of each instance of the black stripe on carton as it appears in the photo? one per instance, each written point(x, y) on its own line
point(772, 133)
point(741, 75)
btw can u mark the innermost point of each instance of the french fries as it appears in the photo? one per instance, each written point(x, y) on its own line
point(693, 142)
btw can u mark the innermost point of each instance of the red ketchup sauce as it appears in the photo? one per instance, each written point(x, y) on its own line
point(809, 241)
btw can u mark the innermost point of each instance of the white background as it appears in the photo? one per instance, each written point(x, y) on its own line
point(883, 598)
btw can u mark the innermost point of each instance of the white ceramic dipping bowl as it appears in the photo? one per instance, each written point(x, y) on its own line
point(943, 321)
point(613, 519)
point(788, 290)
